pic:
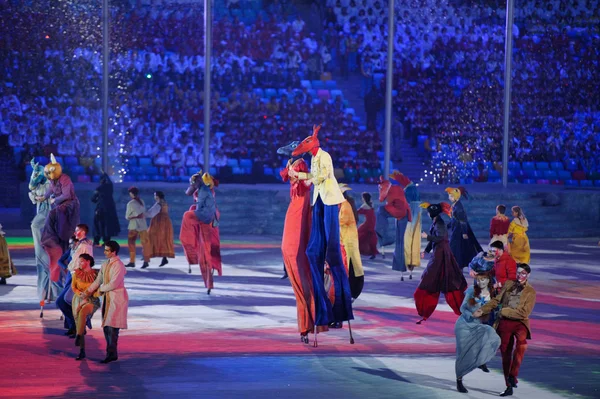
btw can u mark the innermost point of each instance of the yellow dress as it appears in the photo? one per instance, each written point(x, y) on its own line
point(519, 247)
point(349, 238)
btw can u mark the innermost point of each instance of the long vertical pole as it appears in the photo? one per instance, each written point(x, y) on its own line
point(105, 58)
point(388, 91)
point(510, 8)
point(207, 63)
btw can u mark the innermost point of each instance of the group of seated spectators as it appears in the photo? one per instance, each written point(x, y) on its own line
point(448, 75)
point(50, 101)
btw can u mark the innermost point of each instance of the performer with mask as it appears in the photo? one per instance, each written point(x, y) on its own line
point(463, 243)
point(106, 221)
point(442, 273)
point(296, 233)
point(476, 341)
point(63, 216)
point(324, 243)
point(517, 299)
point(47, 289)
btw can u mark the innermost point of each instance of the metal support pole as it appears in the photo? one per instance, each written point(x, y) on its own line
point(105, 69)
point(388, 91)
point(207, 64)
point(510, 8)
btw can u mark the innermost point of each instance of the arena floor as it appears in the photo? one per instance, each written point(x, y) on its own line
point(242, 342)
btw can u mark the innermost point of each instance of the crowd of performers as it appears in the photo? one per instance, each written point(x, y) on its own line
point(321, 248)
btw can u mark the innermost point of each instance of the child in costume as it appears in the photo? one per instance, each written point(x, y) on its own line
point(296, 233)
point(499, 226)
point(349, 241)
point(106, 221)
point(517, 300)
point(397, 207)
point(324, 243)
point(442, 273)
point(7, 267)
point(160, 232)
point(517, 233)
point(463, 243)
point(83, 307)
point(62, 218)
point(367, 238)
point(47, 289)
point(476, 341)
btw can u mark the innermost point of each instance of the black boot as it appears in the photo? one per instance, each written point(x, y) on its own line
point(3, 281)
point(78, 340)
point(460, 387)
point(164, 262)
point(70, 333)
point(484, 368)
point(110, 358)
point(81, 354)
point(145, 265)
point(512, 381)
point(507, 392)
point(130, 264)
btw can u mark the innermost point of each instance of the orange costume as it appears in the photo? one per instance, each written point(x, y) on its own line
point(296, 232)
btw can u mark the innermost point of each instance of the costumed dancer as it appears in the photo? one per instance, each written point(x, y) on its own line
point(397, 207)
point(212, 227)
point(324, 244)
point(7, 267)
point(517, 299)
point(189, 234)
point(517, 232)
point(83, 306)
point(110, 282)
point(367, 238)
point(505, 267)
point(296, 233)
point(160, 232)
point(106, 221)
point(135, 213)
point(47, 289)
point(499, 226)
point(412, 236)
point(442, 273)
point(62, 218)
point(81, 245)
point(463, 243)
point(350, 245)
point(476, 341)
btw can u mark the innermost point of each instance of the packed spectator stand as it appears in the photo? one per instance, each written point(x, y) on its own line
point(448, 66)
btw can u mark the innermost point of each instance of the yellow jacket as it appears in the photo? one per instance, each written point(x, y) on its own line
point(322, 177)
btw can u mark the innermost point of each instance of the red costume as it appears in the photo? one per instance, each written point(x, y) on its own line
point(505, 268)
point(367, 238)
point(296, 233)
point(499, 227)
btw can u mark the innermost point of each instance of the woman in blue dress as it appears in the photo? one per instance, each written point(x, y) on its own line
point(463, 243)
point(476, 341)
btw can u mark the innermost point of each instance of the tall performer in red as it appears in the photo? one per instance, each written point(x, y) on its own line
point(296, 233)
point(442, 273)
point(63, 216)
point(324, 243)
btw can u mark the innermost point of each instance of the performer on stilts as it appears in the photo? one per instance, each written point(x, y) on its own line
point(47, 289)
point(350, 246)
point(463, 243)
point(296, 233)
point(442, 273)
point(412, 236)
point(324, 243)
point(198, 235)
point(63, 216)
point(106, 221)
point(397, 207)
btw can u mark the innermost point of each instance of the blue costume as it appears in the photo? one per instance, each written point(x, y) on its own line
point(47, 290)
point(464, 249)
